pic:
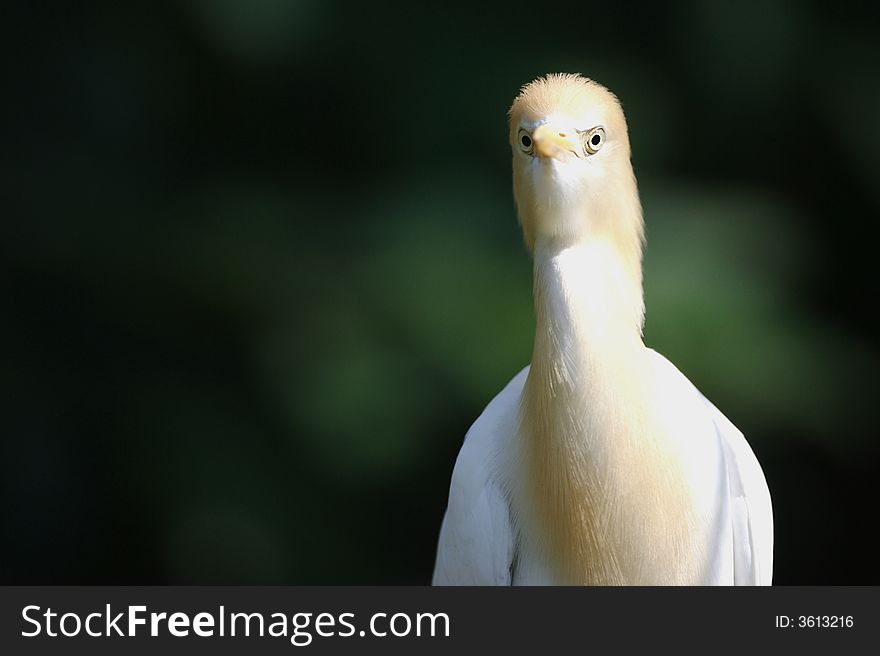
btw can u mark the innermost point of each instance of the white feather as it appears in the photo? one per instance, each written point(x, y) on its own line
point(478, 542)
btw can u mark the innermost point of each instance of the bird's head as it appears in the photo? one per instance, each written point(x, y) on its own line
point(572, 176)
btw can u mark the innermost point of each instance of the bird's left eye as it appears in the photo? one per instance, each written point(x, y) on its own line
point(593, 140)
point(525, 141)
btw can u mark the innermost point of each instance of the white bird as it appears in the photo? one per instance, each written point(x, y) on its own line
point(600, 463)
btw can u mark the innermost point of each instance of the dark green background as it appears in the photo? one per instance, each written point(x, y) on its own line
point(261, 268)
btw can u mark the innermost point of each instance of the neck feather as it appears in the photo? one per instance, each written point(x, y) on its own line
point(593, 468)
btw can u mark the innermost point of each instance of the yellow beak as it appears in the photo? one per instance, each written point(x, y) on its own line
point(551, 141)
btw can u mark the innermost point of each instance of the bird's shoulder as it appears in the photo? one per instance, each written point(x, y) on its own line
point(497, 422)
point(747, 494)
point(476, 543)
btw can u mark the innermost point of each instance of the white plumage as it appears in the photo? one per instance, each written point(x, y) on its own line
point(477, 539)
point(600, 463)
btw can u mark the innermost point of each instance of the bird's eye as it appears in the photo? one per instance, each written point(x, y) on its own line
point(525, 141)
point(593, 140)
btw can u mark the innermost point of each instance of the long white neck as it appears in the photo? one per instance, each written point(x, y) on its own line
point(585, 296)
point(595, 473)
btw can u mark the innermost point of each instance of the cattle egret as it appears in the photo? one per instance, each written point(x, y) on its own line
point(600, 463)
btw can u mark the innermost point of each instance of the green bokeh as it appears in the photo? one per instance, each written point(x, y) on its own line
point(262, 269)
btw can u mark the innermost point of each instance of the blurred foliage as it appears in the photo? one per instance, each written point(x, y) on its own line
point(261, 268)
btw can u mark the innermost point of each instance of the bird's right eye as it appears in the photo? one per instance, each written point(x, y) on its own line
point(525, 141)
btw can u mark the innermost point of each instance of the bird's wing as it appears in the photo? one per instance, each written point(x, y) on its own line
point(751, 512)
point(476, 545)
point(744, 502)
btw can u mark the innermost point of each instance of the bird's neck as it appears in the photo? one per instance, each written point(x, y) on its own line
point(586, 296)
point(584, 413)
point(585, 386)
